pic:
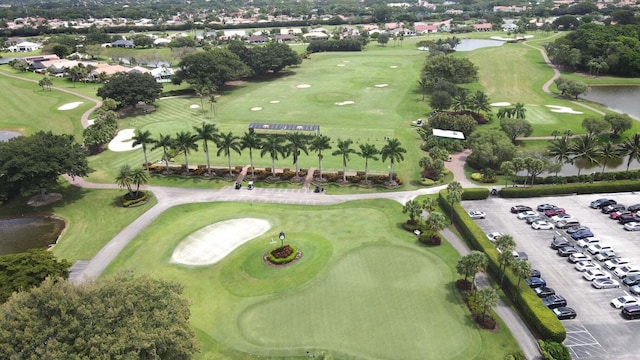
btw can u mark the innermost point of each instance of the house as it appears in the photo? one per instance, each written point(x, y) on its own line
point(24, 46)
point(162, 74)
point(123, 43)
point(483, 27)
point(256, 39)
point(286, 38)
point(315, 36)
point(234, 34)
point(422, 28)
point(509, 27)
point(290, 31)
point(161, 41)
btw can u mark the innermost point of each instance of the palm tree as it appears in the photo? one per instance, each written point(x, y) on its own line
point(413, 208)
point(522, 269)
point(429, 204)
point(435, 222)
point(560, 150)
point(202, 91)
point(479, 263)
point(212, 102)
point(555, 134)
point(123, 178)
point(505, 112)
point(226, 143)
point(206, 133)
point(319, 144)
point(486, 298)
point(585, 148)
point(631, 148)
point(507, 169)
point(454, 195)
point(519, 111)
point(143, 138)
point(609, 152)
point(461, 101)
point(274, 147)
point(424, 86)
point(344, 149)
point(186, 142)
point(480, 102)
point(165, 142)
point(464, 266)
point(367, 151)
point(393, 151)
point(505, 245)
point(297, 144)
point(250, 140)
point(139, 177)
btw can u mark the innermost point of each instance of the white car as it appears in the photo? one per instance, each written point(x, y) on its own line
point(591, 275)
point(606, 255)
point(625, 270)
point(605, 283)
point(623, 301)
point(577, 257)
point(586, 265)
point(554, 219)
point(632, 226)
point(524, 214)
point(541, 225)
point(477, 214)
point(597, 248)
point(614, 263)
point(494, 236)
point(583, 243)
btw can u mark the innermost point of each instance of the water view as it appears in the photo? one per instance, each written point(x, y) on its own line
point(623, 99)
point(6, 135)
point(473, 44)
point(21, 234)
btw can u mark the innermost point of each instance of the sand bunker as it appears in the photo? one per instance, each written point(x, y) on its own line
point(393, 66)
point(340, 65)
point(194, 106)
point(123, 141)
point(91, 121)
point(70, 106)
point(345, 61)
point(504, 103)
point(348, 102)
point(256, 108)
point(303, 86)
point(274, 102)
point(381, 85)
point(563, 109)
point(212, 243)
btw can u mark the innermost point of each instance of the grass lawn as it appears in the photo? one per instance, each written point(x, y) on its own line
point(364, 273)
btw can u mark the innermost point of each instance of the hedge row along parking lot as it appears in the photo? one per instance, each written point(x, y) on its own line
point(600, 330)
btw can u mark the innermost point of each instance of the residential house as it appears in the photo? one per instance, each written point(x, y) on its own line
point(123, 43)
point(162, 74)
point(423, 28)
point(290, 31)
point(483, 27)
point(286, 38)
point(315, 36)
point(256, 39)
point(24, 46)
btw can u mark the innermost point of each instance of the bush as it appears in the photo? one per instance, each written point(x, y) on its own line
point(552, 350)
point(134, 202)
point(571, 188)
point(430, 239)
point(477, 177)
point(427, 182)
point(475, 194)
point(280, 261)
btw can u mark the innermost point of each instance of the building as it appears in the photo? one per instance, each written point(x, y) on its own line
point(24, 46)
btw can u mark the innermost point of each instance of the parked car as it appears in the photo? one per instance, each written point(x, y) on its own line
point(567, 250)
point(578, 256)
point(611, 208)
point(604, 283)
point(558, 243)
point(631, 312)
point(585, 265)
point(524, 214)
point(535, 273)
point(614, 263)
point(554, 301)
point(623, 219)
point(559, 217)
point(542, 225)
point(554, 212)
point(520, 255)
point(565, 223)
point(573, 229)
point(600, 203)
point(634, 207)
point(493, 236)
point(616, 214)
point(606, 255)
point(543, 291)
point(635, 289)
point(591, 275)
point(545, 207)
point(477, 214)
point(625, 270)
point(622, 301)
point(581, 234)
point(631, 280)
point(598, 247)
point(520, 208)
point(583, 243)
point(632, 226)
point(535, 282)
point(531, 219)
point(564, 313)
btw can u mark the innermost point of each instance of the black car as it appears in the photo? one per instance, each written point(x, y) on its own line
point(520, 208)
point(598, 204)
point(535, 273)
point(564, 313)
point(634, 207)
point(631, 280)
point(545, 207)
point(544, 291)
point(611, 208)
point(535, 282)
point(573, 229)
point(531, 219)
point(554, 301)
point(631, 312)
point(559, 243)
point(567, 250)
point(623, 219)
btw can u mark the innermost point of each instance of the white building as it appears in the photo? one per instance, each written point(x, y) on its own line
point(24, 46)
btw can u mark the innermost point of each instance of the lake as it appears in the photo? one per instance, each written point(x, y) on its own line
point(623, 99)
point(473, 44)
point(6, 135)
point(24, 233)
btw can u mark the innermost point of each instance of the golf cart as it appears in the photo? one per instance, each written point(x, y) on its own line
point(250, 185)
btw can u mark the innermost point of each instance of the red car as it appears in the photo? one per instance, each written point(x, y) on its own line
point(616, 214)
point(554, 212)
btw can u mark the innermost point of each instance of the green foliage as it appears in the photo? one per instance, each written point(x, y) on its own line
point(515, 128)
point(141, 200)
point(552, 350)
point(451, 121)
point(270, 57)
point(573, 188)
point(619, 123)
point(23, 271)
point(335, 45)
point(454, 69)
point(490, 149)
point(131, 88)
point(570, 88)
point(284, 260)
point(115, 317)
point(212, 68)
point(475, 194)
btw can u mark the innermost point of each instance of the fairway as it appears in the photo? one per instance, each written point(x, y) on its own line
point(363, 287)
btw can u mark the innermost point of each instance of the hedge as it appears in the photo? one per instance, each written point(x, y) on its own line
point(577, 188)
point(533, 311)
point(475, 194)
point(135, 202)
point(288, 259)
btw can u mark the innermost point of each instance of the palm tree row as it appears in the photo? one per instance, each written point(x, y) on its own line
point(587, 149)
point(276, 146)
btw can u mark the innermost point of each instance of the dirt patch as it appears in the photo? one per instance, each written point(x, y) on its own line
point(37, 200)
point(140, 109)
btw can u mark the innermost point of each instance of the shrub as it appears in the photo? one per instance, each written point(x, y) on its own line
point(280, 261)
point(475, 194)
point(430, 239)
point(571, 188)
point(476, 177)
point(426, 182)
point(134, 202)
point(552, 350)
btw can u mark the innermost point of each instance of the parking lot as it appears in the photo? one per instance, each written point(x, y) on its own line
point(599, 331)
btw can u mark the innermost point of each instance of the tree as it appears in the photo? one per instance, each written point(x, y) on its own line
point(114, 317)
point(464, 266)
point(62, 51)
point(435, 222)
point(609, 151)
point(216, 67)
point(19, 65)
point(186, 141)
point(619, 123)
point(101, 131)
point(454, 195)
point(123, 178)
point(202, 91)
point(143, 138)
point(344, 149)
point(534, 167)
point(595, 126)
point(165, 142)
point(631, 149)
point(297, 144)
point(31, 163)
point(515, 128)
point(440, 100)
point(560, 150)
point(383, 39)
point(77, 73)
point(367, 151)
point(250, 140)
point(393, 151)
point(429, 204)
point(522, 269)
point(413, 208)
point(519, 111)
point(423, 83)
point(490, 149)
point(471, 264)
point(453, 69)
point(570, 88)
point(274, 147)
point(480, 102)
point(486, 298)
point(227, 143)
point(45, 83)
point(507, 169)
point(456, 122)
point(26, 270)
point(585, 149)
point(207, 132)
point(272, 57)
point(461, 101)
point(319, 144)
point(131, 88)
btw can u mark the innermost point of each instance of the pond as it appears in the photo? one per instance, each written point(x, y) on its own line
point(623, 99)
point(24, 233)
point(6, 135)
point(473, 44)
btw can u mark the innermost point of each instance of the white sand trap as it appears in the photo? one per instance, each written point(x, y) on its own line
point(70, 106)
point(563, 109)
point(528, 36)
point(256, 108)
point(504, 103)
point(393, 66)
point(348, 102)
point(303, 86)
point(123, 141)
point(194, 106)
point(212, 243)
point(274, 102)
point(91, 121)
point(381, 85)
point(345, 61)
point(341, 65)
